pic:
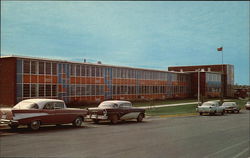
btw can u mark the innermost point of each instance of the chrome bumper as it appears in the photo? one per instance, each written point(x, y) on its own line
point(5, 121)
point(99, 117)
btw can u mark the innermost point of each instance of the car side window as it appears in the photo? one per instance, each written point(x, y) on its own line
point(59, 105)
point(115, 106)
point(125, 105)
point(49, 106)
point(34, 106)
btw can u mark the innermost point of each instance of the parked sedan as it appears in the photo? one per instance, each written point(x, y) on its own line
point(231, 107)
point(37, 112)
point(210, 107)
point(247, 105)
point(114, 111)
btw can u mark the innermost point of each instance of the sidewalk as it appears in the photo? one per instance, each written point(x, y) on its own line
point(166, 105)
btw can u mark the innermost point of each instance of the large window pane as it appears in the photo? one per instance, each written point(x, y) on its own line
point(33, 67)
point(41, 67)
point(54, 68)
point(41, 90)
point(33, 90)
point(26, 90)
point(26, 66)
point(48, 90)
point(48, 68)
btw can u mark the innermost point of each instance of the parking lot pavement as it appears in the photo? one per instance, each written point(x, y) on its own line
point(194, 137)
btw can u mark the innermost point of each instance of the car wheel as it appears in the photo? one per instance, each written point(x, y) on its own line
point(96, 121)
point(232, 111)
point(35, 125)
point(238, 111)
point(201, 113)
point(13, 126)
point(222, 113)
point(114, 119)
point(140, 118)
point(78, 122)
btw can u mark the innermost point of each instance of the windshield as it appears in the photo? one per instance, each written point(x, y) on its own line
point(227, 104)
point(108, 105)
point(26, 105)
point(207, 104)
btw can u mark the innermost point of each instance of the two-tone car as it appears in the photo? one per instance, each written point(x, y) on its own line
point(210, 107)
point(231, 107)
point(37, 112)
point(247, 105)
point(115, 110)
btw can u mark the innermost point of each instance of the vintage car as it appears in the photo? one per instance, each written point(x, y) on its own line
point(247, 105)
point(37, 112)
point(210, 107)
point(115, 110)
point(231, 107)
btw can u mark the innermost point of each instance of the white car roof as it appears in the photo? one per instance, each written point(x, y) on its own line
point(212, 102)
point(117, 101)
point(42, 102)
point(229, 102)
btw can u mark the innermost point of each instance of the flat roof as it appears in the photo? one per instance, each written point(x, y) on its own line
point(88, 63)
point(200, 65)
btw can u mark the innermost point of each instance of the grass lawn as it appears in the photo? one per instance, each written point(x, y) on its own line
point(182, 109)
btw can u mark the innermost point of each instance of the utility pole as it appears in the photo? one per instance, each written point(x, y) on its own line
point(198, 86)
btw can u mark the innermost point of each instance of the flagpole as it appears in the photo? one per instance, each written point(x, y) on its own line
point(222, 76)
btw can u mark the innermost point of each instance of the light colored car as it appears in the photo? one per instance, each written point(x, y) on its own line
point(247, 105)
point(37, 112)
point(210, 107)
point(231, 107)
point(115, 110)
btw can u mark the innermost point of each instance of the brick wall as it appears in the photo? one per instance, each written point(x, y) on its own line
point(8, 81)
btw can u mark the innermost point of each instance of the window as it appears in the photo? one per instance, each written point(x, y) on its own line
point(87, 71)
point(78, 90)
point(93, 71)
point(83, 89)
point(58, 105)
point(54, 90)
point(88, 90)
point(125, 105)
point(48, 90)
point(33, 90)
point(26, 66)
point(92, 89)
point(33, 67)
point(77, 70)
point(98, 74)
point(54, 68)
point(72, 70)
point(41, 90)
point(41, 67)
point(49, 106)
point(26, 90)
point(48, 68)
point(83, 70)
point(73, 90)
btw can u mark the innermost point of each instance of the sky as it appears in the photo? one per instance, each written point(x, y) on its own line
point(143, 34)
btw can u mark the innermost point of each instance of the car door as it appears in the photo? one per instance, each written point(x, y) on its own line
point(51, 118)
point(126, 111)
point(63, 115)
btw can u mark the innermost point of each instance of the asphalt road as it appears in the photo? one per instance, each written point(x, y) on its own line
point(192, 137)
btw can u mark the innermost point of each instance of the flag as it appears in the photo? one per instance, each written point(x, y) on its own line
point(220, 49)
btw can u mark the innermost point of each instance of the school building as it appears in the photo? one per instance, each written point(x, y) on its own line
point(28, 77)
